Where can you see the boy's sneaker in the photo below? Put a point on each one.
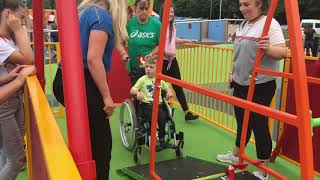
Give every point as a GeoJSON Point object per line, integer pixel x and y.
{"type": "Point", "coordinates": [161, 145]}
{"type": "Point", "coordinates": [190, 116]}
{"type": "Point", "coordinates": [228, 158]}
{"type": "Point", "coordinates": [259, 175]}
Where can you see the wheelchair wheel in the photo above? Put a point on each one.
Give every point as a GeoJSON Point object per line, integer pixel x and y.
{"type": "Point", "coordinates": [128, 125]}
{"type": "Point", "coordinates": [179, 149]}
{"type": "Point", "coordinates": [137, 155]}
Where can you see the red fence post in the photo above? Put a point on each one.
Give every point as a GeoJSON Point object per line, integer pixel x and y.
{"type": "Point", "coordinates": [37, 6]}
{"type": "Point", "coordinates": [74, 89]}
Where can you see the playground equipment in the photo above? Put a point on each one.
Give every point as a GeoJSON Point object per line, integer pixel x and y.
{"type": "Point", "coordinates": [70, 49]}
{"type": "Point", "coordinates": [299, 75]}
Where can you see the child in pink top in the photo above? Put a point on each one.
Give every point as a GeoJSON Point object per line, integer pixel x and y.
{"type": "Point", "coordinates": [171, 66]}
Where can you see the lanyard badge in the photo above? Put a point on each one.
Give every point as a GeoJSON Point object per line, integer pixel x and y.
{"type": "Point", "coordinates": [142, 59]}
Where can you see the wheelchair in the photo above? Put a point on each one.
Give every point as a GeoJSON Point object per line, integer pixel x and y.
{"type": "Point", "coordinates": [135, 131]}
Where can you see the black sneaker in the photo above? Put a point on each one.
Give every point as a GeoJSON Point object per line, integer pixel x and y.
{"type": "Point", "coordinates": [190, 116]}
{"type": "Point", "coordinates": [161, 146]}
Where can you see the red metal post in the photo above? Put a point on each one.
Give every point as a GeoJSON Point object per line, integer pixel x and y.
{"type": "Point", "coordinates": [165, 21]}
{"type": "Point", "coordinates": [74, 90]}
{"type": "Point", "coordinates": [37, 7]}
{"type": "Point", "coordinates": [301, 90]}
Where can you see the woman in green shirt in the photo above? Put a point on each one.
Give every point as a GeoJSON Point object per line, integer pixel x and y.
{"type": "Point", "coordinates": [144, 36]}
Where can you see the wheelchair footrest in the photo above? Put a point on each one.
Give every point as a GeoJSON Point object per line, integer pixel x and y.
{"type": "Point", "coordinates": [180, 136]}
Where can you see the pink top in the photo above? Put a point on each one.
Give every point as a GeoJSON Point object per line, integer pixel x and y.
{"type": "Point", "coordinates": [171, 45]}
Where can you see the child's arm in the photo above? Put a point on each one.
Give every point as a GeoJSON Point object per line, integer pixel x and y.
{"type": "Point", "coordinates": [7, 90]}
{"type": "Point", "coordinates": [165, 87]}
{"type": "Point", "coordinates": [135, 90]}
{"type": "Point", "coordinates": [25, 54]}
{"type": "Point", "coordinates": [11, 76]}
{"type": "Point", "coordinates": [137, 93]}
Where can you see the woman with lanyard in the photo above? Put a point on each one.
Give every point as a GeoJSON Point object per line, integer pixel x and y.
{"type": "Point", "coordinates": [144, 36]}
{"type": "Point", "coordinates": [102, 26]}
{"type": "Point", "coordinates": [171, 66]}
{"type": "Point", "coordinates": [248, 40]}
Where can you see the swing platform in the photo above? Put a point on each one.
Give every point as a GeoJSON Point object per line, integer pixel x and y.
{"type": "Point", "coordinates": [187, 168]}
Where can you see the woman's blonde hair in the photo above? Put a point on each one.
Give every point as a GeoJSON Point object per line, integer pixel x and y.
{"type": "Point", "coordinates": [117, 10]}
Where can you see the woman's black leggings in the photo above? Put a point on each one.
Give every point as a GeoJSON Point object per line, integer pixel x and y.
{"type": "Point", "coordinates": [263, 95]}
{"type": "Point", "coordinates": [174, 72]}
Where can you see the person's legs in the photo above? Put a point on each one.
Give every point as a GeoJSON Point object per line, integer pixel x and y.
{"type": "Point", "coordinates": [12, 142]}
{"type": "Point", "coordinates": [174, 72]}
{"type": "Point", "coordinates": [162, 121]}
{"type": "Point", "coordinates": [100, 133]}
{"type": "Point", "coordinates": [58, 86]}
{"type": "Point", "coordinates": [233, 156]}
{"type": "Point", "coordinates": [259, 123]}
{"type": "Point", "coordinates": [308, 46]}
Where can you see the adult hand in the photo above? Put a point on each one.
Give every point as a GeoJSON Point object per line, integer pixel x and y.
{"type": "Point", "coordinates": [169, 55]}
{"type": "Point", "coordinates": [28, 71]}
{"type": "Point", "coordinates": [140, 96]}
{"type": "Point", "coordinates": [108, 106]}
{"type": "Point", "coordinates": [169, 94]}
{"type": "Point", "coordinates": [14, 23]}
{"type": "Point", "coordinates": [264, 43]}
{"type": "Point", "coordinates": [125, 57]}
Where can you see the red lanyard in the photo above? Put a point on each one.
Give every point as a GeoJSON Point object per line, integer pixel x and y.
{"type": "Point", "coordinates": [3, 37]}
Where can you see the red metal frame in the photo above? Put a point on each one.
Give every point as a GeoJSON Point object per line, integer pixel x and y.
{"type": "Point", "coordinates": [74, 89]}
{"type": "Point", "coordinates": [37, 6]}
{"type": "Point", "coordinates": [301, 121]}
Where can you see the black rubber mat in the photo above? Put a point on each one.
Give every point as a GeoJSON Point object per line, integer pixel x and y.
{"type": "Point", "coordinates": [183, 168]}
{"type": "Point", "coordinates": [240, 176]}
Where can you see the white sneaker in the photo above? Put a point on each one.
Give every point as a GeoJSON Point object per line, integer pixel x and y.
{"type": "Point", "coordinates": [228, 158]}
{"type": "Point", "coordinates": [259, 175]}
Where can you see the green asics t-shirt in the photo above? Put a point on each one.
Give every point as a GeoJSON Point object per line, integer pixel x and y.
{"type": "Point", "coordinates": [143, 38]}
{"type": "Point", "coordinates": [145, 85]}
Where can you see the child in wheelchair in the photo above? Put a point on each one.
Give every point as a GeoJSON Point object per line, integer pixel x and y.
{"type": "Point", "coordinates": [144, 92]}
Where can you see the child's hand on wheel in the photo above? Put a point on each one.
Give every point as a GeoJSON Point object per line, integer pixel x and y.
{"type": "Point", "coordinates": [140, 96]}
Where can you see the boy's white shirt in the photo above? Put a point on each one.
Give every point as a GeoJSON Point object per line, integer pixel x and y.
{"type": "Point", "coordinates": [7, 47]}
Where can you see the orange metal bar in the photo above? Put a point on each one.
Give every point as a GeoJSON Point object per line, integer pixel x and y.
{"type": "Point", "coordinates": [286, 75]}
{"type": "Point", "coordinates": [165, 21]}
{"type": "Point", "coordinates": [224, 61]}
{"type": "Point", "coordinates": [245, 124]}
{"type": "Point", "coordinates": [254, 107]}
{"type": "Point", "coordinates": [202, 62]}
{"type": "Point", "coordinates": [198, 79]}
{"type": "Point", "coordinates": [301, 89]}
{"type": "Point", "coordinates": [263, 167]}
{"type": "Point", "coordinates": [193, 77]}
{"type": "Point", "coordinates": [283, 103]}
{"type": "Point", "coordinates": [220, 59]}
{"type": "Point", "coordinates": [215, 59]}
